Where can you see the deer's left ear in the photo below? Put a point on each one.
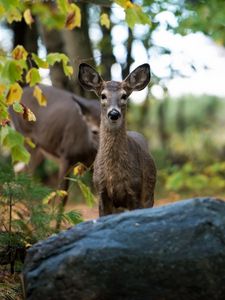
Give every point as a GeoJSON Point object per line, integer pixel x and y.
{"type": "Point", "coordinates": [139, 78]}
{"type": "Point", "coordinates": [89, 78]}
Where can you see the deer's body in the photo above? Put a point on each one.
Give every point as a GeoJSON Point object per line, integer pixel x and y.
{"type": "Point", "coordinates": [61, 130]}
{"type": "Point", "coordinates": [124, 171]}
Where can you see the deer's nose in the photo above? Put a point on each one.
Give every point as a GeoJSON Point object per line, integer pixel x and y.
{"type": "Point", "coordinates": [114, 114]}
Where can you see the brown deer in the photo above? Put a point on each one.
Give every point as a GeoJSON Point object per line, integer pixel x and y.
{"type": "Point", "coordinates": [66, 130]}
{"type": "Point", "coordinates": [124, 171]}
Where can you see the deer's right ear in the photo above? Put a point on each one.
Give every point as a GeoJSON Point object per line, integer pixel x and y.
{"type": "Point", "coordinates": [89, 78]}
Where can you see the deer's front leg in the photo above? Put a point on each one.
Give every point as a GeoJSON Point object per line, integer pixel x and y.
{"type": "Point", "coordinates": [105, 204]}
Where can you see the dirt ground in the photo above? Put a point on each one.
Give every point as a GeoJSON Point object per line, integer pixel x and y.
{"type": "Point", "coordinates": [90, 213]}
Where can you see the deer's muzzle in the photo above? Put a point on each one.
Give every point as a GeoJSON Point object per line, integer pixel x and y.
{"type": "Point", "coordinates": [114, 114]}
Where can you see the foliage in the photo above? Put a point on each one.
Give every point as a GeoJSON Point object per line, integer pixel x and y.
{"type": "Point", "coordinates": [15, 67]}
{"type": "Point", "coordinates": [193, 180]}
{"type": "Point", "coordinates": [29, 208]}
{"type": "Point", "coordinates": [191, 162]}
{"type": "Point", "coordinates": [12, 69]}
{"type": "Point", "coordinates": [206, 16]}
{"type": "Point", "coordinates": [134, 13]}
{"type": "Point", "coordinates": [59, 14]}
{"type": "Point", "coordinates": [79, 177]}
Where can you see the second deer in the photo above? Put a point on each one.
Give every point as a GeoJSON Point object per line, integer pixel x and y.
{"type": "Point", "coordinates": [124, 171]}
{"type": "Point", "coordinates": [66, 130]}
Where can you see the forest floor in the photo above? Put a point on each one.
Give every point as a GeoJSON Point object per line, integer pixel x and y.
{"type": "Point", "coordinates": [89, 213]}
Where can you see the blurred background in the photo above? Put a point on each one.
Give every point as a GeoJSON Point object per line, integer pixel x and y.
{"type": "Point", "coordinates": [182, 111]}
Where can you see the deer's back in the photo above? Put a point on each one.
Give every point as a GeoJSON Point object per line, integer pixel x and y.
{"type": "Point", "coordinates": [59, 127]}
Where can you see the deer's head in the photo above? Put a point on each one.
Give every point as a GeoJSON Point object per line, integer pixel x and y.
{"type": "Point", "coordinates": [113, 94]}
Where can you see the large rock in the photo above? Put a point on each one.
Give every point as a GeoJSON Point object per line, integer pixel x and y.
{"type": "Point", "coordinates": [172, 252]}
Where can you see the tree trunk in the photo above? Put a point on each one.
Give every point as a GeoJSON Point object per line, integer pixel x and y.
{"type": "Point", "coordinates": [126, 67]}
{"type": "Point", "coordinates": [167, 253]}
{"type": "Point", "coordinates": [78, 48]}
{"type": "Point", "coordinates": [25, 36]}
{"type": "Point", "coordinates": [106, 49]}
{"type": "Point", "coordinates": [54, 42]}
{"type": "Point", "coordinates": [28, 38]}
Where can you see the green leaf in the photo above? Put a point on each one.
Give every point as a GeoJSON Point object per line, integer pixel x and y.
{"type": "Point", "coordinates": [88, 196]}
{"type": "Point", "coordinates": [68, 70]}
{"type": "Point", "coordinates": [63, 5]}
{"type": "Point", "coordinates": [73, 217]}
{"type": "Point", "coordinates": [3, 134]}
{"type": "Point", "coordinates": [13, 15]}
{"type": "Point", "coordinates": [11, 138]}
{"type": "Point", "coordinates": [135, 15]}
{"type": "Point", "coordinates": [12, 71]}
{"type": "Point", "coordinates": [17, 107]}
{"type": "Point", "coordinates": [15, 142]}
{"type": "Point", "coordinates": [40, 62]}
{"type": "Point", "coordinates": [19, 153]}
{"type": "Point", "coordinates": [33, 77]}
{"type": "Point", "coordinates": [52, 58]}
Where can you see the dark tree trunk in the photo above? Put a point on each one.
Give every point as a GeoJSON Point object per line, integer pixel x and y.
{"type": "Point", "coordinates": [28, 38]}
{"type": "Point", "coordinates": [108, 58]}
{"type": "Point", "coordinates": [126, 67]}
{"type": "Point", "coordinates": [25, 36]}
{"type": "Point", "coordinates": [78, 48]}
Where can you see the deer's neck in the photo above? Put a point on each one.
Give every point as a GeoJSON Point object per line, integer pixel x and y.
{"type": "Point", "coordinates": [113, 143]}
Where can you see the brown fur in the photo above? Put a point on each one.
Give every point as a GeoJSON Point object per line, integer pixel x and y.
{"type": "Point", "coordinates": [124, 171]}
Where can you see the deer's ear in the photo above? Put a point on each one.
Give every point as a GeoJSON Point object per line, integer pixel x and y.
{"type": "Point", "coordinates": [139, 78]}
{"type": "Point", "coordinates": [89, 78]}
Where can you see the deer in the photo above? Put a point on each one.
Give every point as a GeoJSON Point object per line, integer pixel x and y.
{"type": "Point", "coordinates": [66, 130]}
{"type": "Point", "coordinates": [124, 171]}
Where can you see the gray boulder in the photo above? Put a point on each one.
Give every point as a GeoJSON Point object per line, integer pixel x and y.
{"type": "Point", "coordinates": [172, 252]}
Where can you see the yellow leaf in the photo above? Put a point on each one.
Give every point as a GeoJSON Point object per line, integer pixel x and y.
{"type": "Point", "coordinates": [74, 17]}
{"type": "Point", "coordinates": [53, 195]}
{"type": "Point", "coordinates": [61, 193]}
{"type": "Point", "coordinates": [50, 197]}
{"type": "Point", "coordinates": [28, 17]}
{"type": "Point", "coordinates": [29, 142]}
{"type": "Point", "coordinates": [125, 3]}
{"type": "Point", "coordinates": [28, 245]}
{"type": "Point", "coordinates": [30, 115]}
{"type": "Point", "coordinates": [14, 94]}
{"type": "Point", "coordinates": [33, 76]}
{"type": "Point", "coordinates": [2, 89]}
{"type": "Point", "coordinates": [13, 15]}
{"type": "Point", "coordinates": [128, 4]}
{"type": "Point", "coordinates": [2, 10]}
{"type": "Point", "coordinates": [39, 96]}
{"type": "Point", "coordinates": [104, 20]}
{"type": "Point", "coordinates": [79, 170]}
{"type": "Point", "coordinates": [19, 53]}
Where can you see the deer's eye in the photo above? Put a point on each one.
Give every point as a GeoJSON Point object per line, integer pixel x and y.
{"type": "Point", "coordinates": [124, 97]}
{"type": "Point", "coordinates": [103, 99]}
{"type": "Point", "coordinates": [103, 96]}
